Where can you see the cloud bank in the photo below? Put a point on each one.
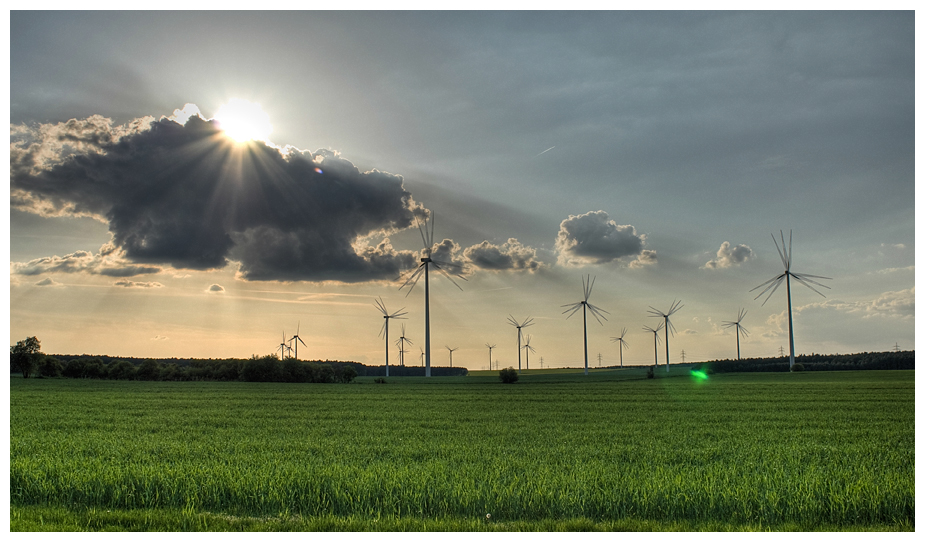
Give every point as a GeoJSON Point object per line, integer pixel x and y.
{"type": "Point", "coordinates": [185, 195]}
{"type": "Point", "coordinates": [512, 255]}
{"type": "Point", "coordinates": [593, 238]}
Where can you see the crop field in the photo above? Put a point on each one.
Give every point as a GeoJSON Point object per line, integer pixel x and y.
{"type": "Point", "coordinates": [612, 451]}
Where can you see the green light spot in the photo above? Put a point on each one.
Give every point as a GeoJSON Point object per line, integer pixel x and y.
{"type": "Point", "coordinates": [700, 375]}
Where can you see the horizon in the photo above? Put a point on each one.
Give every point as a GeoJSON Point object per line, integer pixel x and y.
{"type": "Point", "coordinates": [144, 221]}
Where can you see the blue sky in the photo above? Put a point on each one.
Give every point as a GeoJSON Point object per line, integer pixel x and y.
{"type": "Point", "coordinates": [658, 152]}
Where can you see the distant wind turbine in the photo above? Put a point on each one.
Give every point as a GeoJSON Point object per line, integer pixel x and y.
{"type": "Point", "coordinates": [527, 348]}
{"type": "Point", "coordinates": [451, 353]}
{"type": "Point", "coordinates": [401, 345]}
{"type": "Point", "coordinates": [654, 313]}
{"type": "Point", "coordinates": [490, 347]}
{"type": "Point", "coordinates": [519, 326]}
{"type": "Point", "coordinates": [587, 284]}
{"type": "Point", "coordinates": [428, 237]}
{"type": "Point", "coordinates": [655, 333]}
{"type": "Point", "coordinates": [622, 344]}
{"type": "Point", "coordinates": [295, 338]}
{"type": "Point", "coordinates": [802, 278]}
{"type": "Point", "coordinates": [739, 327]}
{"type": "Point", "coordinates": [283, 347]}
{"type": "Point", "coordinates": [385, 327]}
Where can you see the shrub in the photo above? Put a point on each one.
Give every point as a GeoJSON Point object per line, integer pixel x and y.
{"type": "Point", "coordinates": [348, 374]}
{"type": "Point", "coordinates": [379, 380]}
{"type": "Point", "coordinates": [650, 373]}
{"type": "Point", "coordinates": [797, 367]}
{"type": "Point", "coordinates": [508, 376]}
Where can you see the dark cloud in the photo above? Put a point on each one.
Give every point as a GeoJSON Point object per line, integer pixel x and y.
{"type": "Point", "coordinates": [186, 196]}
{"type": "Point", "coordinates": [593, 238]}
{"type": "Point", "coordinates": [47, 282]}
{"type": "Point", "coordinates": [133, 284]}
{"type": "Point", "coordinates": [215, 289]}
{"type": "Point", "coordinates": [510, 255]}
{"type": "Point", "coordinates": [729, 256]}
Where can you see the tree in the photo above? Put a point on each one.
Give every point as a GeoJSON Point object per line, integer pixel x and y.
{"type": "Point", "coordinates": [508, 376]}
{"type": "Point", "coordinates": [50, 367]}
{"type": "Point", "coordinates": [25, 355]}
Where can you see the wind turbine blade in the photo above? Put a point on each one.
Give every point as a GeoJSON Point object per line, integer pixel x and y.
{"type": "Point", "coordinates": [398, 315]}
{"type": "Point", "coordinates": [381, 306]}
{"type": "Point", "coordinates": [801, 277]}
{"type": "Point", "coordinates": [773, 283]}
{"type": "Point", "coordinates": [804, 283]}
{"type": "Point", "coordinates": [769, 281]}
{"type": "Point", "coordinates": [675, 307]}
{"type": "Point", "coordinates": [781, 254]}
{"type": "Point", "coordinates": [575, 308]}
{"type": "Point", "coordinates": [413, 279]}
{"type": "Point", "coordinates": [527, 322]}
{"type": "Point", "coordinates": [743, 330]}
{"type": "Point", "coordinates": [789, 250]}
{"type": "Point", "coordinates": [597, 313]}
{"type": "Point", "coordinates": [776, 286]}
{"type": "Point", "coordinates": [814, 276]}
{"type": "Point", "coordinates": [382, 329]}
{"type": "Point", "coordinates": [513, 321]}
{"type": "Point", "coordinates": [447, 275]}
{"type": "Point", "coordinates": [423, 239]}
{"type": "Point", "coordinates": [671, 327]}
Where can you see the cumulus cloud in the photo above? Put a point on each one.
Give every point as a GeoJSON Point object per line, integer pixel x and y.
{"type": "Point", "coordinates": [899, 304]}
{"type": "Point", "coordinates": [133, 284]}
{"type": "Point", "coordinates": [109, 261]}
{"type": "Point", "coordinates": [593, 238]}
{"type": "Point", "coordinates": [215, 289]}
{"type": "Point", "coordinates": [512, 255]}
{"type": "Point", "coordinates": [730, 256]}
{"type": "Point", "coordinates": [184, 195]}
{"type": "Point", "coordinates": [646, 257]}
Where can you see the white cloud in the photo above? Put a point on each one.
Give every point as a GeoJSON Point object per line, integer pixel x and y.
{"type": "Point", "coordinates": [729, 256]}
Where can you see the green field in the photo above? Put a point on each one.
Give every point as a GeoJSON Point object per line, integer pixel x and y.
{"type": "Point", "coordinates": [555, 451]}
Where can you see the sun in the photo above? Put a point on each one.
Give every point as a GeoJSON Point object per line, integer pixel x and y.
{"type": "Point", "coordinates": [243, 121]}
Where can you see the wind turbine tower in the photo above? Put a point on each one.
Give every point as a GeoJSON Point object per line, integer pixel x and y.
{"type": "Point", "coordinates": [385, 327]}
{"type": "Point", "coordinates": [426, 261]}
{"type": "Point", "coordinates": [528, 349]}
{"type": "Point", "coordinates": [654, 332]}
{"type": "Point", "coordinates": [295, 338]}
{"type": "Point", "coordinates": [739, 327]}
{"type": "Point", "coordinates": [519, 326]}
{"type": "Point", "coordinates": [774, 283]}
{"type": "Point", "coordinates": [587, 284]}
{"type": "Point", "coordinates": [490, 347]}
{"type": "Point", "coordinates": [654, 313]}
{"type": "Point", "coordinates": [401, 345]}
{"type": "Point", "coordinates": [451, 354]}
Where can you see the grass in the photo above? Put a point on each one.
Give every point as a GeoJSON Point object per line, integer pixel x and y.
{"type": "Point", "coordinates": [612, 451]}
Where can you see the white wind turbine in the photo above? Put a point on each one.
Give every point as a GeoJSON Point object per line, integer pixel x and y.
{"type": "Point", "coordinates": [519, 326]}
{"type": "Point", "coordinates": [490, 347]}
{"type": "Point", "coordinates": [739, 327]}
{"type": "Point", "coordinates": [426, 261]}
{"type": "Point", "coordinates": [527, 348]}
{"type": "Point", "coordinates": [802, 278]}
{"type": "Point", "coordinates": [622, 344]}
{"type": "Point", "coordinates": [655, 333]}
{"type": "Point", "coordinates": [451, 354]}
{"type": "Point", "coordinates": [295, 338]}
{"type": "Point", "coordinates": [654, 313]}
{"type": "Point", "coordinates": [401, 345]}
{"type": "Point", "coordinates": [385, 327]}
{"type": "Point", "coordinates": [587, 284]}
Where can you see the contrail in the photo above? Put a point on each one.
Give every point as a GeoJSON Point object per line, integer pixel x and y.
{"type": "Point", "coordinates": [547, 150]}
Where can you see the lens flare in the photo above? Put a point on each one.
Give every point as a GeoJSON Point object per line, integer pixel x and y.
{"type": "Point", "coordinates": [699, 374]}
{"type": "Point", "coordinates": [244, 121]}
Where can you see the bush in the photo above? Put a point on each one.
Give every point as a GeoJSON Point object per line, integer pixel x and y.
{"type": "Point", "coordinates": [508, 376]}
{"type": "Point", "coordinates": [379, 380]}
{"type": "Point", "coordinates": [797, 367]}
{"type": "Point", "coordinates": [348, 374]}
{"type": "Point", "coordinates": [650, 373]}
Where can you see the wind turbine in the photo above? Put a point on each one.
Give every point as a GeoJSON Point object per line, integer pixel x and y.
{"type": "Point", "coordinates": [428, 237]}
{"type": "Point", "coordinates": [385, 327]}
{"type": "Point", "coordinates": [527, 348]}
{"type": "Point", "coordinates": [490, 347]}
{"type": "Point", "coordinates": [297, 340]}
{"type": "Point", "coordinates": [622, 344]}
{"type": "Point", "coordinates": [451, 353]}
{"type": "Point", "coordinates": [283, 347]}
{"type": "Point", "coordinates": [655, 333]}
{"type": "Point", "coordinates": [401, 345]}
{"type": "Point", "coordinates": [802, 278]}
{"type": "Point", "coordinates": [675, 306]}
{"type": "Point", "coordinates": [587, 284]}
{"type": "Point", "coordinates": [519, 326]}
{"type": "Point", "coordinates": [739, 327]}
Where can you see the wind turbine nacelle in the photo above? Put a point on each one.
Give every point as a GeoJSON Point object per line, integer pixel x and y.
{"type": "Point", "coordinates": [426, 260]}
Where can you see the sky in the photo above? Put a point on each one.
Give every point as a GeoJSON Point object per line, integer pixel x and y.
{"type": "Point", "coordinates": [661, 154]}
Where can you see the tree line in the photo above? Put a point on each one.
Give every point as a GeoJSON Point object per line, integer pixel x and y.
{"type": "Point", "coordinates": [819, 362]}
